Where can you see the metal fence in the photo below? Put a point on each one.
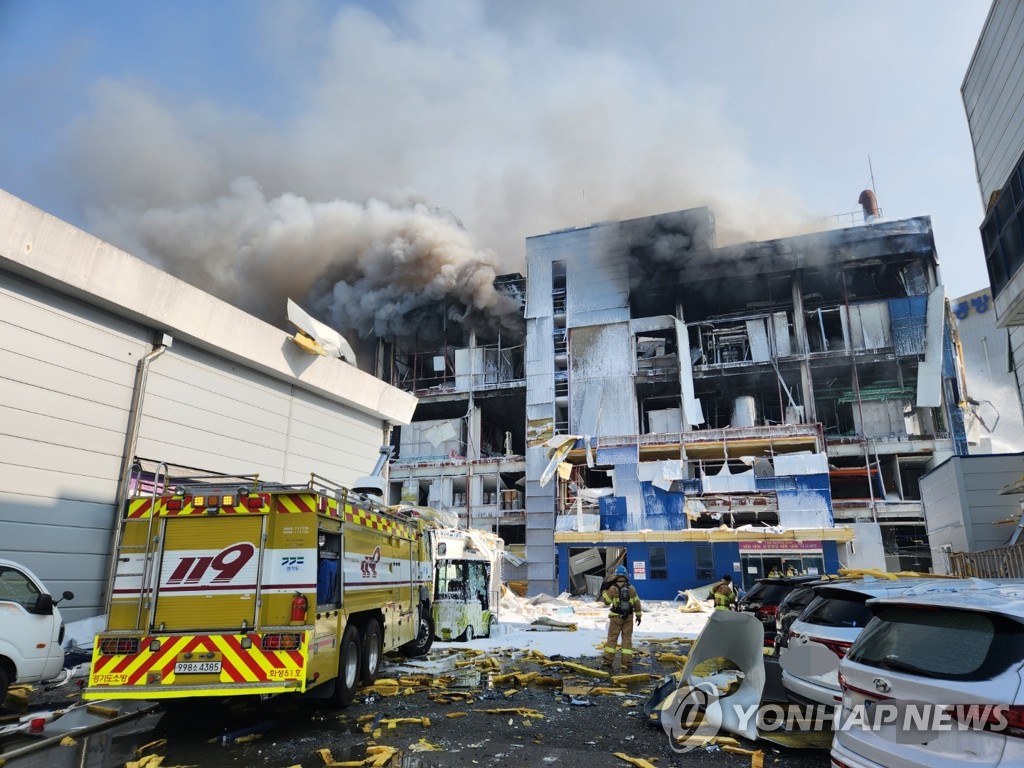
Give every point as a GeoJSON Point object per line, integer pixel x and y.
{"type": "Point", "coordinates": [1004, 562]}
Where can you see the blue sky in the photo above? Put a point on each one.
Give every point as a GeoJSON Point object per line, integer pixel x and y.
{"type": "Point", "coordinates": [130, 118]}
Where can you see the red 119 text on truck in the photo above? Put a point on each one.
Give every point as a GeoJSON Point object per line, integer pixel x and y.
{"type": "Point", "coordinates": [232, 586]}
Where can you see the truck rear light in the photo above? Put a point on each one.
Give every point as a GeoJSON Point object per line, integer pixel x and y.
{"type": "Point", "coordinates": [119, 646]}
{"type": "Point", "coordinates": [254, 502]}
{"type": "Point", "coordinates": [227, 501]}
{"type": "Point", "coordinates": [282, 642]}
{"type": "Point", "coordinates": [174, 505]}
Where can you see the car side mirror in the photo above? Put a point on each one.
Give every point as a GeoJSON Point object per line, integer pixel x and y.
{"type": "Point", "coordinates": [44, 605]}
{"type": "Point", "coordinates": [68, 595]}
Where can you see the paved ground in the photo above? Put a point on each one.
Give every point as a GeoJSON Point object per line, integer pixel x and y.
{"type": "Point", "coordinates": [548, 729]}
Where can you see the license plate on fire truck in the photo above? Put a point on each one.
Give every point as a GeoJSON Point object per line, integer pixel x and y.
{"type": "Point", "coordinates": [196, 667]}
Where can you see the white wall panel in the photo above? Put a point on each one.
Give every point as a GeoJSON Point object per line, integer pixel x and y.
{"type": "Point", "coordinates": [66, 377]}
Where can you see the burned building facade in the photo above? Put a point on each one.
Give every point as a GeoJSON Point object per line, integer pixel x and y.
{"type": "Point", "coordinates": [693, 410]}
{"type": "Point", "coordinates": [465, 449]}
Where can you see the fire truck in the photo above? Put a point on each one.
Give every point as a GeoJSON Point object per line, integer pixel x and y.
{"type": "Point", "coordinates": [232, 586]}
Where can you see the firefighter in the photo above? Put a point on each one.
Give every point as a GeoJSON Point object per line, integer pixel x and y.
{"type": "Point", "coordinates": [724, 594]}
{"type": "Point", "coordinates": [791, 571]}
{"type": "Point", "coordinates": [775, 573]}
{"type": "Point", "coordinates": [620, 596]}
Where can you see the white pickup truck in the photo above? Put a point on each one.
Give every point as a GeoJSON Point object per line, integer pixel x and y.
{"type": "Point", "coordinates": [31, 629]}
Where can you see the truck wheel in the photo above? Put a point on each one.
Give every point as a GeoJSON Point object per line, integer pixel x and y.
{"type": "Point", "coordinates": [468, 634]}
{"type": "Point", "coordinates": [490, 624]}
{"type": "Point", "coordinates": [373, 643]}
{"type": "Point", "coordinates": [348, 667]}
{"type": "Point", "coordinates": [424, 637]}
{"type": "Point", "coordinates": [4, 683]}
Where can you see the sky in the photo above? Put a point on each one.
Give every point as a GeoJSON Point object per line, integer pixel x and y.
{"type": "Point", "coordinates": [369, 157]}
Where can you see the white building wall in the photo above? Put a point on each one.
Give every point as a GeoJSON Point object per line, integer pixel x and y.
{"type": "Point", "coordinates": [231, 394]}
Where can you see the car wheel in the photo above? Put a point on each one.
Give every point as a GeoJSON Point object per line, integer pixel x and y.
{"type": "Point", "coordinates": [4, 684]}
{"type": "Point", "coordinates": [373, 644]}
{"type": "Point", "coordinates": [348, 667]}
{"type": "Point", "coordinates": [424, 637]}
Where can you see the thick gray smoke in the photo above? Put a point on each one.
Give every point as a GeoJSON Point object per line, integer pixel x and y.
{"type": "Point", "coordinates": [518, 128]}
{"type": "Point", "coordinates": [381, 269]}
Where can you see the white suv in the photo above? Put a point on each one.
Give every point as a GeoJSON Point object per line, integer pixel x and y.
{"type": "Point", "coordinates": [827, 628]}
{"type": "Point", "coordinates": [31, 630]}
{"type": "Point", "coordinates": [935, 680]}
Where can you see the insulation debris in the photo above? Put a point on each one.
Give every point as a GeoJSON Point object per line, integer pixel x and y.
{"type": "Point", "coordinates": [639, 762]}
{"type": "Point", "coordinates": [590, 671]}
{"type": "Point", "coordinates": [149, 761]}
{"type": "Point", "coordinates": [668, 658]}
{"type": "Point", "coordinates": [521, 711]}
{"type": "Point", "coordinates": [98, 709]}
{"type": "Point", "coordinates": [454, 715]}
{"type": "Point", "coordinates": [151, 745]}
{"type": "Point", "coordinates": [554, 624]}
{"type": "Point", "coordinates": [376, 756]}
{"type": "Point", "coordinates": [67, 741]}
{"type": "Point", "coordinates": [424, 746]}
{"type": "Point", "coordinates": [631, 679]}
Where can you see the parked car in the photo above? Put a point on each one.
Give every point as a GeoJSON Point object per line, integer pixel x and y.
{"type": "Point", "coordinates": [833, 620]}
{"type": "Point", "coordinates": [794, 604]}
{"type": "Point", "coordinates": [764, 597]}
{"type": "Point", "coordinates": [31, 629]}
{"type": "Point", "coordinates": [960, 647]}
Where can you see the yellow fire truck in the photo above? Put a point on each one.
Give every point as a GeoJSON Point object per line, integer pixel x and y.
{"type": "Point", "coordinates": [232, 586]}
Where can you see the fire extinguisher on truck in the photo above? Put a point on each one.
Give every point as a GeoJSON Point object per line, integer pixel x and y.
{"type": "Point", "coordinates": [230, 586]}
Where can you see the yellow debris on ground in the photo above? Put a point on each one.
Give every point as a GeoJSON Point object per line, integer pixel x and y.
{"type": "Point", "coordinates": [67, 741]}
{"type": "Point", "coordinates": [629, 703]}
{"type": "Point", "coordinates": [149, 761]}
{"type": "Point", "coordinates": [757, 759]}
{"type": "Point", "coordinates": [393, 722]}
{"type": "Point", "coordinates": [453, 715]}
{"type": "Point", "coordinates": [424, 746]}
{"type": "Point", "coordinates": [628, 679]}
{"type": "Point", "coordinates": [668, 658]}
{"type": "Point", "coordinates": [737, 750]}
{"type": "Point", "coordinates": [599, 690]}
{"type": "Point", "coordinates": [151, 745]}
{"type": "Point", "coordinates": [639, 762]}
{"type": "Point", "coordinates": [248, 738]}
{"type": "Point", "coordinates": [511, 692]}
{"type": "Point", "coordinates": [521, 711]}
{"type": "Point", "coordinates": [97, 709]}
{"type": "Point", "coordinates": [578, 668]}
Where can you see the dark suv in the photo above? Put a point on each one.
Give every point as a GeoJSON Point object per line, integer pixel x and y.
{"type": "Point", "coordinates": [764, 597]}
{"type": "Point", "coordinates": [793, 604]}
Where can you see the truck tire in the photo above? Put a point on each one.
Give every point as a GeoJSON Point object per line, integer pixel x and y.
{"type": "Point", "coordinates": [468, 634]}
{"type": "Point", "coordinates": [4, 683]}
{"type": "Point", "coordinates": [348, 667]}
{"type": "Point", "coordinates": [424, 637]}
{"type": "Point", "coordinates": [373, 644]}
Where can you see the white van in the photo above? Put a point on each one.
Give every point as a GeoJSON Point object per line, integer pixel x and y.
{"type": "Point", "coordinates": [31, 630]}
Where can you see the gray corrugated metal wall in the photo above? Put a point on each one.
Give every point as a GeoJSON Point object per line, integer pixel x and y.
{"type": "Point", "coordinates": [67, 372]}
{"type": "Point", "coordinates": [992, 92]}
{"type": "Point", "coordinates": [66, 376]}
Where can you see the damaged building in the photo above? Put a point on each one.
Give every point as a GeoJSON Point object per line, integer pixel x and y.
{"type": "Point", "coordinates": [465, 450]}
{"type": "Point", "coordinates": [650, 398]}
{"type": "Point", "coordinates": [693, 410]}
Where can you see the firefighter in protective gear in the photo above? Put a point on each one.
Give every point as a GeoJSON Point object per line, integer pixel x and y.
{"type": "Point", "coordinates": [724, 594]}
{"type": "Point", "coordinates": [621, 598]}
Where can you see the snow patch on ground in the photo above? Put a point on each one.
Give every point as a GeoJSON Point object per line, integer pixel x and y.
{"type": "Point", "coordinates": [515, 630]}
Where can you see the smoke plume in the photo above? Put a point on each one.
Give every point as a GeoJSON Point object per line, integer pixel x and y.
{"type": "Point", "coordinates": [518, 128]}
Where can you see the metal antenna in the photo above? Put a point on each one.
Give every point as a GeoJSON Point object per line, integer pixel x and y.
{"type": "Point", "coordinates": [584, 207]}
{"type": "Point", "coordinates": [872, 172]}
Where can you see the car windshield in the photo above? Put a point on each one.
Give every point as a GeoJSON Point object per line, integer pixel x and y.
{"type": "Point", "coordinates": [942, 643]}
{"type": "Point", "coordinates": [798, 599]}
{"type": "Point", "coordinates": [838, 610]}
{"type": "Point", "coordinates": [767, 592]}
